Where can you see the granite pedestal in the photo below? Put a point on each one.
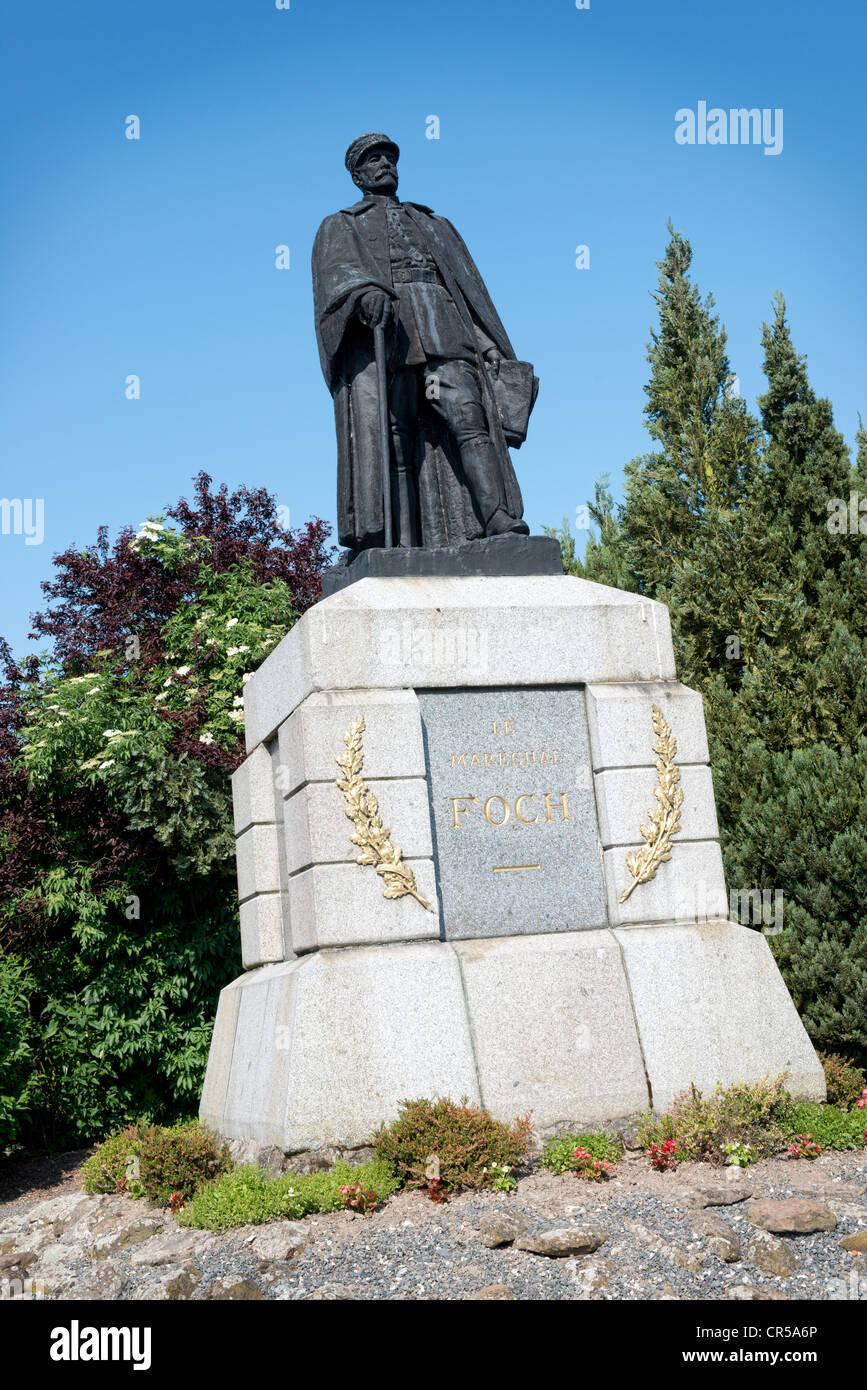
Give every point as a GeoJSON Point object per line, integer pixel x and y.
{"type": "Point", "coordinates": [508, 740]}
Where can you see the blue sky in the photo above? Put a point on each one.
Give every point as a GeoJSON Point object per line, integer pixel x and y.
{"type": "Point", "coordinates": [156, 257]}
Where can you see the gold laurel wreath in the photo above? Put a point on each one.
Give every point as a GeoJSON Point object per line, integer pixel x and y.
{"type": "Point", "coordinates": [664, 818]}
{"type": "Point", "coordinates": [371, 835]}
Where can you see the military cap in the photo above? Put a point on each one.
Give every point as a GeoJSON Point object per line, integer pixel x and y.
{"type": "Point", "coordinates": [364, 144]}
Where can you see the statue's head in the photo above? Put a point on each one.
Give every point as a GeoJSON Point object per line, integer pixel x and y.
{"type": "Point", "coordinates": [372, 162]}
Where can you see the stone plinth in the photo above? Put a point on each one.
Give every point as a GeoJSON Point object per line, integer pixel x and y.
{"type": "Point", "coordinates": [508, 743]}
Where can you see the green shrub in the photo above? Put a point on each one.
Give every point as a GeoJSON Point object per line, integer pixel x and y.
{"type": "Point", "coordinates": [756, 1113]}
{"type": "Point", "coordinates": [105, 1169]}
{"type": "Point", "coordinates": [830, 1127]}
{"type": "Point", "coordinates": [17, 1081]}
{"type": "Point", "coordinates": [559, 1155]}
{"type": "Point", "coordinates": [845, 1081]}
{"type": "Point", "coordinates": [179, 1159]}
{"type": "Point", "coordinates": [246, 1196]}
{"type": "Point", "coordinates": [466, 1141]}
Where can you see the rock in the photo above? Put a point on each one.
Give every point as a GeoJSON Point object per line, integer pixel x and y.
{"type": "Point", "coordinates": [62, 1212]}
{"type": "Point", "coordinates": [104, 1245]}
{"type": "Point", "coordinates": [746, 1293]}
{"type": "Point", "coordinates": [275, 1272]}
{"type": "Point", "coordinates": [682, 1258]}
{"type": "Point", "coordinates": [233, 1286]}
{"type": "Point", "coordinates": [17, 1259]}
{"type": "Point", "coordinates": [502, 1227]}
{"type": "Point", "coordinates": [24, 1239]}
{"type": "Point", "coordinates": [857, 1244]}
{"type": "Point", "coordinates": [795, 1216]}
{"type": "Point", "coordinates": [723, 1196]}
{"type": "Point", "coordinates": [771, 1255]}
{"type": "Point", "coordinates": [171, 1247]}
{"type": "Point", "coordinates": [492, 1291]}
{"type": "Point", "coordinates": [588, 1275]}
{"type": "Point", "coordinates": [332, 1292]}
{"type": "Point", "coordinates": [103, 1283]}
{"type": "Point", "coordinates": [721, 1239]}
{"type": "Point", "coordinates": [282, 1241]}
{"type": "Point", "coordinates": [54, 1255]}
{"type": "Point", "coordinates": [170, 1283]}
{"type": "Point", "coordinates": [564, 1240]}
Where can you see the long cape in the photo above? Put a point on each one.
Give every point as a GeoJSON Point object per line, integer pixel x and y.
{"type": "Point", "coordinates": [350, 256]}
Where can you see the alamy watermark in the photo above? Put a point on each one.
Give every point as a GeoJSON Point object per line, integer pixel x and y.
{"type": "Point", "coordinates": [23, 516]}
{"type": "Point", "coordinates": [735, 126]}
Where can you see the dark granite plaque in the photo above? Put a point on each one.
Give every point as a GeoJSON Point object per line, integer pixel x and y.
{"type": "Point", "coordinates": [516, 836]}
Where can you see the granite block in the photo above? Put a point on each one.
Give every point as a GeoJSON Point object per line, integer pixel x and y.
{"type": "Point", "coordinates": [317, 829]}
{"type": "Point", "coordinates": [553, 1029]}
{"type": "Point", "coordinates": [711, 1006]}
{"type": "Point", "coordinates": [253, 791]}
{"type": "Point", "coordinates": [625, 795]}
{"type": "Point", "coordinates": [257, 853]}
{"type": "Point", "coordinates": [621, 729]}
{"type": "Point", "coordinates": [312, 738]}
{"type": "Point", "coordinates": [263, 939]}
{"type": "Point", "coordinates": [343, 905]}
{"type": "Point", "coordinates": [689, 887]}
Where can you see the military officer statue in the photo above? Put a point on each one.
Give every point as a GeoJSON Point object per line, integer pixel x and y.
{"type": "Point", "coordinates": [454, 396]}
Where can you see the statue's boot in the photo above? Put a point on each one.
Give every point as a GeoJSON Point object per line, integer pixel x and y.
{"type": "Point", "coordinates": [484, 475]}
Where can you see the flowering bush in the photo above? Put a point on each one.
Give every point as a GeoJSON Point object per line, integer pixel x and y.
{"type": "Point", "coordinates": [739, 1155]}
{"type": "Point", "coordinates": [803, 1146]}
{"type": "Point", "coordinates": [500, 1175]}
{"type": "Point", "coordinates": [752, 1114]}
{"type": "Point", "coordinates": [469, 1144]}
{"type": "Point", "coordinates": [117, 874]}
{"type": "Point", "coordinates": [663, 1156]}
{"type": "Point", "coordinates": [559, 1156]}
{"type": "Point", "coordinates": [844, 1081]}
{"type": "Point", "coordinates": [591, 1169]}
{"type": "Point", "coordinates": [860, 1104]}
{"type": "Point", "coordinates": [246, 1196]}
{"type": "Point", "coordinates": [356, 1199]}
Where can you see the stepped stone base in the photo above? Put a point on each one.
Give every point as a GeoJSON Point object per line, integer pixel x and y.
{"type": "Point", "coordinates": [585, 1028]}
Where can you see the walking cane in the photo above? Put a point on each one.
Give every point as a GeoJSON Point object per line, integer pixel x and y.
{"type": "Point", "coordinates": [384, 431]}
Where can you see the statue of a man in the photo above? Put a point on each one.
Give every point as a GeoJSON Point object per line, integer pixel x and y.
{"type": "Point", "coordinates": [399, 265]}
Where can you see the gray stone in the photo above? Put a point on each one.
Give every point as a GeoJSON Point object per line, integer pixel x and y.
{"type": "Point", "coordinates": [311, 739]}
{"type": "Point", "coordinates": [721, 1239]}
{"type": "Point", "coordinates": [735, 1018]}
{"type": "Point", "coordinates": [130, 1234]}
{"type": "Point", "coordinates": [491, 1293]}
{"type": "Point", "coordinates": [494, 556]}
{"type": "Point", "coordinates": [590, 1276]}
{"type": "Point", "coordinates": [856, 1245]}
{"type": "Point", "coordinates": [233, 1287]}
{"type": "Point", "coordinates": [282, 1241]}
{"type": "Point", "coordinates": [502, 1227]}
{"type": "Point", "coordinates": [724, 1196]}
{"type": "Point", "coordinates": [220, 1057]}
{"type": "Point", "coordinates": [102, 1284]}
{"type": "Point", "coordinates": [690, 887]}
{"type": "Point", "coordinates": [770, 1255]}
{"type": "Point", "coordinates": [383, 1023]}
{"type": "Point", "coordinates": [422, 633]}
{"type": "Point", "coordinates": [254, 796]}
{"type": "Point", "coordinates": [344, 905]}
{"type": "Point", "coordinates": [257, 854]}
{"type": "Point", "coordinates": [170, 1283]}
{"type": "Point", "coordinates": [752, 1293]}
{"type": "Point", "coordinates": [562, 1241]}
{"type": "Point", "coordinates": [553, 1028]}
{"type": "Point", "coordinates": [621, 729]}
{"type": "Point", "coordinates": [333, 1293]}
{"type": "Point", "coordinates": [517, 839]}
{"type": "Point", "coordinates": [265, 936]}
{"type": "Point", "coordinates": [318, 830]}
{"type": "Point", "coordinates": [171, 1247]}
{"type": "Point", "coordinates": [793, 1216]}
{"type": "Point", "coordinates": [625, 795]}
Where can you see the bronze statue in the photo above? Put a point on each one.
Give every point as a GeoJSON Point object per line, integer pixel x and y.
{"type": "Point", "coordinates": [428, 394]}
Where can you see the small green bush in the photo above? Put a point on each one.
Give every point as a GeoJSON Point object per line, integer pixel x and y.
{"type": "Point", "coordinates": [844, 1080]}
{"type": "Point", "coordinates": [831, 1128]}
{"type": "Point", "coordinates": [176, 1159]}
{"type": "Point", "coordinates": [247, 1197]}
{"type": "Point", "coordinates": [179, 1159]}
{"type": "Point", "coordinates": [105, 1169]}
{"type": "Point", "coordinates": [559, 1155]}
{"type": "Point", "coordinates": [466, 1140]}
{"type": "Point", "coordinates": [756, 1113]}
{"type": "Point", "coordinates": [18, 1083]}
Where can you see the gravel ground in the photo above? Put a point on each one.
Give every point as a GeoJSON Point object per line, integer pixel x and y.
{"type": "Point", "coordinates": [414, 1249]}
